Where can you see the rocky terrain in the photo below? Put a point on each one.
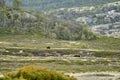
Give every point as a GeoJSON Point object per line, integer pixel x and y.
{"type": "Point", "coordinates": [96, 75]}
{"type": "Point", "coordinates": [111, 30]}
{"type": "Point", "coordinates": [104, 19]}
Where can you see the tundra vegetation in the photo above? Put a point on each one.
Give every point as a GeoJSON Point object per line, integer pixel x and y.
{"type": "Point", "coordinates": [57, 42]}
{"type": "Point", "coordinates": [35, 73]}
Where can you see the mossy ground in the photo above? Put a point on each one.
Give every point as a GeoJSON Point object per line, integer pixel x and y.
{"type": "Point", "coordinates": [105, 53]}
{"type": "Point", "coordinates": [38, 42]}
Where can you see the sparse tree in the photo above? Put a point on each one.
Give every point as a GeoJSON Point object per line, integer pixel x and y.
{"type": "Point", "coordinates": [17, 4]}
{"type": "Point", "coordinates": [2, 3]}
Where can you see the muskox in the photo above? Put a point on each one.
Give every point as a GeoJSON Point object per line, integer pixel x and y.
{"type": "Point", "coordinates": [48, 47]}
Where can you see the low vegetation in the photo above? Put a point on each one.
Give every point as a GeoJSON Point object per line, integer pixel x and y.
{"type": "Point", "coordinates": [35, 73]}
{"type": "Point", "coordinates": [71, 56]}
{"type": "Point", "coordinates": [118, 79]}
{"type": "Point", "coordinates": [36, 42]}
{"type": "Point", "coordinates": [66, 63]}
{"type": "Point", "coordinates": [37, 38]}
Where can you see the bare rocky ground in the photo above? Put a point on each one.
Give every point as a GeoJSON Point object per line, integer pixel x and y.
{"type": "Point", "coordinates": [1, 75]}
{"type": "Point", "coordinates": [96, 75]}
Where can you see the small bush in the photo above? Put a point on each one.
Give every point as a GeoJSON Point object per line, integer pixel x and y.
{"type": "Point", "coordinates": [35, 73]}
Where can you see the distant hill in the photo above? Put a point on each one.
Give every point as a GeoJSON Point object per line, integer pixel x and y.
{"type": "Point", "coordinates": [67, 19]}
{"type": "Point", "coordinates": [20, 22]}
{"type": "Point", "coordinates": [56, 4]}
{"type": "Point", "coordinates": [105, 19]}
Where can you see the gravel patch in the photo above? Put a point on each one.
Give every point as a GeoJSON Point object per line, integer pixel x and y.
{"type": "Point", "coordinates": [95, 75]}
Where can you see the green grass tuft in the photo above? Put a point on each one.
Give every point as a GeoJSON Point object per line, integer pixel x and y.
{"type": "Point", "coordinates": [35, 73]}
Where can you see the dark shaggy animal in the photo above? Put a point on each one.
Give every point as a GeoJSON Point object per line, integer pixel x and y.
{"type": "Point", "coordinates": [48, 47]}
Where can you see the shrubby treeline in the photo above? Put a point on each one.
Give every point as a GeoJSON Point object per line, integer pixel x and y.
{"type": "Point", "coordinates": [17, 21]}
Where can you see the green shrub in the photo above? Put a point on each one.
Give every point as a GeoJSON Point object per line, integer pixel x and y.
{"type": "Point", "coordinates": [36, 73]}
